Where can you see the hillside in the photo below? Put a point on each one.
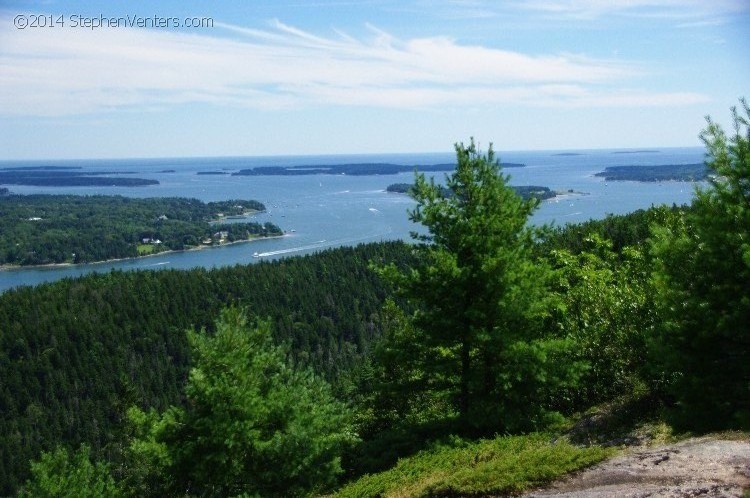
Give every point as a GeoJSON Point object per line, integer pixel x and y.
{"type": "Point", "coordinates": [75, 354]}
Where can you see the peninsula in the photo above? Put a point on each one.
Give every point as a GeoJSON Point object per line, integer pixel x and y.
{"type": "Point", "coordinates": [56, 229]}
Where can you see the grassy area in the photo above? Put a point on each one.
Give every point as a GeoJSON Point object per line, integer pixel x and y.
{"type": "Point", "coordinates": [144, 249]}
{"type": "Point", "coordinates": [494, 466]}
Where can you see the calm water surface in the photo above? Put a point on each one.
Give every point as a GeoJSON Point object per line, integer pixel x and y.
{"type": "Point", "coordinates": [322, 211]}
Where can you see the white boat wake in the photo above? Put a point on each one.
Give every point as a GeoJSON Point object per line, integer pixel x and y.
{"type": "Point", "coordinates": [315, 245]}
{"type": "Point", "coordinates": [322, 243]}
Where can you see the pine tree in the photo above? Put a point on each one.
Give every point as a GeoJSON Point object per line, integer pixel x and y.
{"type": "Point", "coordinates": [480, 296]}
{"type": "Point", "coordinates": [58, 474]}
{"type": "Point", "coordinates": [703, 278]}
{"type": "Point", "coordinates": [253, 423]}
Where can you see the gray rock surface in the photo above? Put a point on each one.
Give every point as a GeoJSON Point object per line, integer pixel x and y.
{"type": "Point", "coordinates": [704, 467]}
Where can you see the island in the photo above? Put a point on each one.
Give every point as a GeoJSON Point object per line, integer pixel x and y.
{"type": "Point", "coordinates": [357, 169]}
{"type": "Point", "coordinates": [525, 191]}
{"type": "Point", "coordinates": [56, 229]}
{"type": "Point", "coordinates": [68, 176]}
{"type": "Point", "coordinates": [666, 172]}
{"type": "Point", "coordinates": [212, 173]}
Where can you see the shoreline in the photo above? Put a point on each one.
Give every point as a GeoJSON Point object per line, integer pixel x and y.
{"type": "Point", "coordinates": [7, 267]}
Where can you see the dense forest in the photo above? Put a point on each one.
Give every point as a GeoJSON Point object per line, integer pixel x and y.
{"type": "Point", "coordinates": [44, 229]}
{"type": "Point", "coordinates": [360, 369]}
{"type": "Point", "coordinates": [75, 354]}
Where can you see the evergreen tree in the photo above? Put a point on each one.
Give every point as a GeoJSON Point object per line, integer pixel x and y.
{"type": "Point", "coordinates": [703, 279]}
{"type": "Point", "coordinates": [480, 296]}
{"type": "Point", "coordinates": [253, 424]}
{"type": "Point", "coordinates": [57, 474]}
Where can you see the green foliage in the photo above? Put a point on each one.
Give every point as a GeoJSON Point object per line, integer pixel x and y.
{"type": "Point", "coordinates": [404, 391]}
{"type": "Point", "coordinates": [606, 307]}
{"type": "Point", "coordinates": [481, 298]}
{"type": "Point", "coordinates": [703, 280]}
{"type": "Point", "coordinates": [479, 345]}
{"type": "Point", "coordinates": [626, 230]}
{"type": "Point", "coordinates": [57, 474]}
{"type": "Point", "coordinates": [75, 354]}
{"type": "Point", "coordinates": [253, 423]}
{"type": "Point", "coordinates": [43, 229]}
{"type": "Point", "coordinates": [525, 191]}
{"type": "Point", "coordinates": [486, 468]}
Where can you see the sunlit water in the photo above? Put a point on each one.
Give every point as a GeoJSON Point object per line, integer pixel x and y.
{"type": "Point", "coordinates": [322, 211]}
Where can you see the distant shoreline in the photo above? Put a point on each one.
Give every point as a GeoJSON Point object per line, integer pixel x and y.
{"type": "Point", "coordinates": [353, 169]}
{"type": "Point", "coordinates": [693, 172]}
{"type": "Point", "coordinates": [7, 267]}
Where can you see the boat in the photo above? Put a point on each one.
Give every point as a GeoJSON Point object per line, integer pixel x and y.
{"type": "Point", "coordinates": [256, 254]}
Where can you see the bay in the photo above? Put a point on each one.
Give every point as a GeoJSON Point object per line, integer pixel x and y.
{"type": "Point", "coordinates": [323, 211]}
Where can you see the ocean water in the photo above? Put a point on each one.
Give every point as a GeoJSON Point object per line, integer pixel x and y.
{"type": "Point", "coordinates": [323, 211]}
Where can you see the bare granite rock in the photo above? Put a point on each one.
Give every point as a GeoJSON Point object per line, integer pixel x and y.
{"type": "Point", "coordinates": [704, 467]}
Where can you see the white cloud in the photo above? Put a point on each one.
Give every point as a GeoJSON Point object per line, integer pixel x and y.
{"type": "Point", "coordinates": [59, 72]}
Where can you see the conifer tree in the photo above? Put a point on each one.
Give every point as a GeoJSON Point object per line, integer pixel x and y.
{"type": "Point", "coordinates": [59, 474]}
{"type": "Point", "coordinates": [480, 296]}
{"type": "Point", "coordinates": [703, 279]}
{"type": "Point", "coordinates": [253, 423]}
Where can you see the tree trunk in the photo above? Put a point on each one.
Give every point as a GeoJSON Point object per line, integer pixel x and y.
{"type": "Point", "coordinates": [465, 371]}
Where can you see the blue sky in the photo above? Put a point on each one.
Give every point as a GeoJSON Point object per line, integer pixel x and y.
{"type": "Point", "coordinates": [337, 76]}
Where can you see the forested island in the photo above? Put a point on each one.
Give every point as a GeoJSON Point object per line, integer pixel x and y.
{"type": "Point", "coordinates": [68, 176]}
{"type": "Point", "coordinates": [525, 191]}
{"type": "Point", "coordinates": [487, 358]}
{"type": "Point", "coordinates": [661, 173]}
{"type": "Point", "coordinates": [54, 229]}
{"type": "Point", "coordinates": [357, 169]}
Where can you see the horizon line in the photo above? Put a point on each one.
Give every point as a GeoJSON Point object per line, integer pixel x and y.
{"type": "Point", "coordinates": [644, 149]}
